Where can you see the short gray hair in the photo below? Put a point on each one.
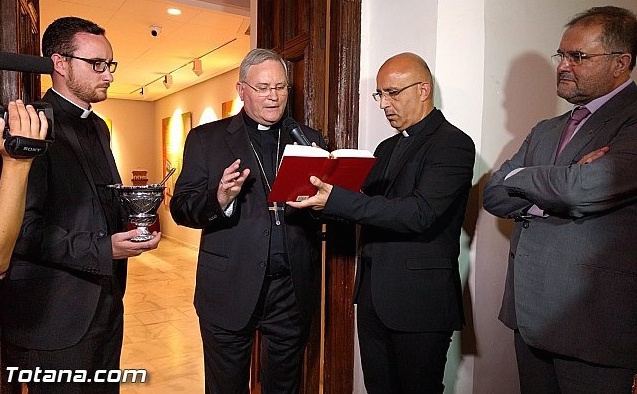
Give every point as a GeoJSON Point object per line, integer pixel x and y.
{"type": "Point", "coordinates": [619, 28]}
{"type": "Point", "coordinates": [258, 56]}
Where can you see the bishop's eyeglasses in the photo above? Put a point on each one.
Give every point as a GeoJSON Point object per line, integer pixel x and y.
{"type": "Point", "coordinates": [263, 90]}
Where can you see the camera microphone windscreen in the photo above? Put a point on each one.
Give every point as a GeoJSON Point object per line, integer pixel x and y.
{"type": "Point", "coordinates": [25, 63]}
{"type": "Point", "coordinates": [294, 129]}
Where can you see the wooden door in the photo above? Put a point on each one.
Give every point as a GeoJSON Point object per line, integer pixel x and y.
{"type": "Point", "coordinates": [19, 33]}
{"type": "Point", "coordinates": [320, 40]}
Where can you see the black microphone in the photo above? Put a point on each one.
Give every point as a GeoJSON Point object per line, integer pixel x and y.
{"type": "Point", "coordinates": [25, 63]}
{"type": "Point", "coordinates": [294, 129]}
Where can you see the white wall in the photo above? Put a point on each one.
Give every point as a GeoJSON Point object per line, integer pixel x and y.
{"type": "Point", "coordinates": [519, 91]}
{"type": "Point", "coordinates": [384, 33]}
{"type": "Point", "coordinates": [459, 95]}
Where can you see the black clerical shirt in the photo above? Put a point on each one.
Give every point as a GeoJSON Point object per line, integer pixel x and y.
{"type": "Point", "coordinates": [266, 143]}
{"type": "Point", "coordinates": [86, 132]}
{"type": "Point", "coordinates": [404, 143]}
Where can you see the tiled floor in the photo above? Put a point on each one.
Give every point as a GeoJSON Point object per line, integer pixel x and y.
{"type": "Point", "coordinates": [161, 331]}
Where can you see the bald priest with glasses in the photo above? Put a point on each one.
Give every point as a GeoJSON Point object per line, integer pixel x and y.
{"type": "Point", "coordinates": [411, 210]}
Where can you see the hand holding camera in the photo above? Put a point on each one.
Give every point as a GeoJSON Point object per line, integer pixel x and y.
{"type": "Point", "coordinates": [27, 131]}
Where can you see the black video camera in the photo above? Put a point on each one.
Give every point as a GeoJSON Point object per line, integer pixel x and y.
{"type": "Point", "coordinates": [20, 147]}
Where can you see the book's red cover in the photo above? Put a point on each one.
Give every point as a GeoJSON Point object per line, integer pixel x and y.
{"type": "Point", "coordinates": [292, 182]}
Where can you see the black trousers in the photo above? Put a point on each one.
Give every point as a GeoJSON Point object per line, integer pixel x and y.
{"type": "Point", "coordinates": [100, 348]}
{"type": "Point", "coordinates": [396, 362]}
{"type": "Point", "coordinates": [283, 337]}
{"type": "Point", "coordinates": [543, 372]}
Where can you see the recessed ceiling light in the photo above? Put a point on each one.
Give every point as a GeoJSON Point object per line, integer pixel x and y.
{"type": "Point", "coordinates": [174, 11]}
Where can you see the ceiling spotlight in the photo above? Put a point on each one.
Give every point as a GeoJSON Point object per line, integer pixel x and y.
{"type": "Point", "coordinates": [196, 67]}
{"type": "Point", "coordinates": [168, 81]}
{"type": "Point", "coordinates": [174, 11]}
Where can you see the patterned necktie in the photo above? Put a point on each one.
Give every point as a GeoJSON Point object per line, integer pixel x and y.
{"type": "Point", "coordinates": [577, 116]}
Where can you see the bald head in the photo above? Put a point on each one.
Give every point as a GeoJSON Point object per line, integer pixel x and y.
{"type": "Point", "coordinates": [407, 63]}
{"type": "Point", "coordinates": [404, 88]}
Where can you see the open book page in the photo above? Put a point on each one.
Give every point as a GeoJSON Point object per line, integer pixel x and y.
{"type": "Point", "coordinates": [351, 153]}
{"type": "Point", "coordinates": [347, 169]}
{"type": "Point", "coordinates": [313, 151]}
{"type": "Point", "coordinates": [304, 151]}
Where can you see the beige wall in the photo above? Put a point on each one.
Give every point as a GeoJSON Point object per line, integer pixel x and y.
{"type": "Point", "coordinates": [137, 134]}
{"type": "Point", "coordinates": [132, 135]}
{"type": "Point", "coordinates": [197, 100]}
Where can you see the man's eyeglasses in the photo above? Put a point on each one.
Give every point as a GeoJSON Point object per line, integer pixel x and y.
{"type": "Point", "coordinates": [391, 93]}
{"type": "Point", "coordinates": [263, 90]}
{"type": "Point", "coordinates": [99, 65]}
{"type": "Point", "coordinates": [576, 58]}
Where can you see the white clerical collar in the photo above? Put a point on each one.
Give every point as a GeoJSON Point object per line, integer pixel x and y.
{"type": "Point", "coordinates": [85, 112]}
{"type": "Point", "coordinates": [262, 127]}
{"type": "Point", "coordinates": [405, 133]}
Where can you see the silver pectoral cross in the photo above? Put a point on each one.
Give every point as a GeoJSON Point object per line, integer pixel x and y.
{"type": "Point", "coordinates": [276, 208]}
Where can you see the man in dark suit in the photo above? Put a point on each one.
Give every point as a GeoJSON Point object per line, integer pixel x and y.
{"type": "Point", "coordinates": [258, 262]}
{"type": "Point", "coordinates": [571, 289]}
{"type": "Point", "coordinates": [62, 298]}
{"type": "Point", "coordinates": [411, 210]}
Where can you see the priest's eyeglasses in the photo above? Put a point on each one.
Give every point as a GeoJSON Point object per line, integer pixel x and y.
{"type": "Point", "coordinates": [99, 65]}
{"type": "Point", "coordinates": [391, 93]}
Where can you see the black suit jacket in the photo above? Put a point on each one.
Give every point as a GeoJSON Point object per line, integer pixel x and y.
{"type": "Point", "coordinates": [64, 250]}
{"type": "Point", "coordinates": [411, 220]}
{"type": "Point", "coordinates": [233, 251]}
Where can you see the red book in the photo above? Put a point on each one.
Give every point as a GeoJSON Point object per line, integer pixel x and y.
{"type": "Point", "coordinates": [346, 168]}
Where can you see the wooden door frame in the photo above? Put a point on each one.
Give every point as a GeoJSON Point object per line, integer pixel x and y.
{"type": "Point", "coordinates": [340, 256]}
{"type": "Point", "coordinates": [19, 33]}
{"type": "Point", "coordinates": [329, 103]}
